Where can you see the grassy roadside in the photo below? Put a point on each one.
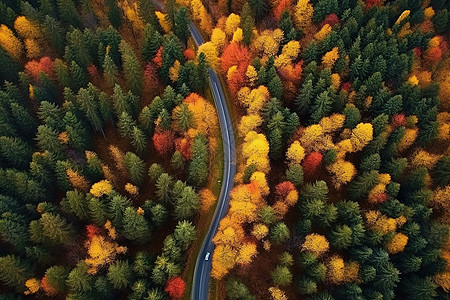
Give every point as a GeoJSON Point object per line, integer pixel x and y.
{"type": "Point", "coordinates": [204, 221]}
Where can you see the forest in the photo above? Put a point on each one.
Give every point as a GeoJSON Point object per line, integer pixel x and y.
{"type": "Point", "coordinates": [112, 149]}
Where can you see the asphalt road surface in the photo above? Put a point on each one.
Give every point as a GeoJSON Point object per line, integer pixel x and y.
{"type": "Point", "coordinates": [200, 285]}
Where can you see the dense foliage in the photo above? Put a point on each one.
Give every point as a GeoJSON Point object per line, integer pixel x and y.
{"type": "Point", "coordinates": [343, 175]}
{"type": "Point", "coordinates": [106, 141]}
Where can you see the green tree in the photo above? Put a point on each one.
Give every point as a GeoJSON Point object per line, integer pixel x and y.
{"type": "Point", "coordinates": [187, 204]}
{"type": "Point", "coordinates": [281, 276]}
{"type": "Point", "coordinates": [441, 171]}
{"type": "Point", "coordinates": [158, 214]}
{"type": "Point", "coordinates": [341, 237]}
{"type": "Point", "coordinates": [57, 276]}
{"type": "Point", "coordinates": [164, 185]}
{"type": "Point", "coordinates": [110, 70]}
{"type": "Point", "coordinates": [151, 42]}
{"type": "Point", "coordinates": [68, 12]}
{"type": "Point", "coordinates": [56, 228]}
{"type": "Point", "coordinates": [142, 264]}
{"type": "Point", "coordinates": [304, 98]}
{"type": "Point", "coordinates": [177, 161]}
{"type": "Point", "coordinates": [135, 167]}
{"type": "Point", "coordinates": [125, 102]}
{"type": "Point", "coordinates": [97, 211]}
{"type": "Point", "coordinates": [116, 209]}
{"type": "Point", "coordinates": [138, 139]}
{"type": "Point", "coordinates": [114, 14]}
{"type": "Point", "coordinates": [155, 171]}
{"type": "Point", "coordinates": [131, 67]}
{"type": "Point", "coordinates": [78, 204]}
{"type": "Point", "coordinates": [247, 24]}
{"type": "Point", "coordinates": [321, 108]}
{"type": "Point", "coordinates": [126, 125]}
{"type": "Point", "coordinates": [13, 230]}
{"type": "Point", "coordinates": [14, 272]}
{"type": "Point", "coordinates": [275, 87]}
{"type": "Point", "coordinates": [135, 227]}
{"type": "Point", "coordinates": [294, 174]}
{"type": "Point", "coordinates": [198, 168]}
{"type": "Point", "coordinates": [183, 118]}
{"type": "Point", "coordinates": [184, 234]}
{"type": "Point", "coordinates": [181, 24]}
{"type": "Point", "coordinates": [15, 151]}
{"type": "Point", "coordinates": [120, 274]}
{"type": "Point", "coordinates": [237, 290]}
{"type": "Point", "coordinates": [279, 233]}
{"type": "Point", "coordinates": [440, 21]}
{"type": "Point", "coordinates": [79, 280]}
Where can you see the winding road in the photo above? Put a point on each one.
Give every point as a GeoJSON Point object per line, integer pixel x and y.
{"type": "Point", "coordinates": [200, 285]}
{"type": "Point", "coordinates": [200, 282]}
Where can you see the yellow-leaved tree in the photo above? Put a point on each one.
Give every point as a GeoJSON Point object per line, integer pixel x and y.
{"type": "Point", "coordinates": [303, 14]}
{"type": "Point", "coordinates": [361, 136]}
{"type": "Point", "coordinates": [316, 243]}
{"type": "Point", "coordinates": [329, 58]}
{"type": "Point", "coordinates": [295, 153]}
{"type": "Point", "coordinates": [210, 51]}
{"type": "Point", "coordinates": [10, 42]}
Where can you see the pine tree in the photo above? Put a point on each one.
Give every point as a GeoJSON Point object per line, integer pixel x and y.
{"type": "Point", "coordinates": [135, 167]}
{"type": "Point", "coordinates": [138, 139]}
{"type": "Point", "coordinates": [198, 168]}
{"type": "Point", "coordinates": [181, 24]}
{"type": "Point", "coordinates": [132, 68]}
{"type": "Point", "coordinates": [126, 125]}
{"type": "Point", "coordinates": [13, 230]}
{"type": "Point", "coordinates": [14, 272]}
{"type": "Point", "coordinates": [184, 234]}
{"type": "Point", "coordinates": [120, 274]}
{"type": "Point", "coordinates": [183, 118]}
{"type": "Point", "coordinates": [304, 98]}
{"type": "Point", "coordinates": [15, 151]}
{"type": "Point", "coordinates": [114, 14]}
{"type": "Point", "coordinates": [79, 280]}
{"type": "Point", "coordinates": [78, 204]}
{"type": "Point", "coordinates": [135, 227]}
{"type": "Point", "coordinates": [321, 108]}
{"type": "Point", "coordinates": [281, 276]}
{"type": "Point", "coordinates": [177, 161]}
{"type": "Point", "coordinates": [279, 233]}
{"type": "Point", "coordinates": [56, 228]}
{"type": "Point", "coordinates": [187, 204]}
{"type": "Point", "coordinates": [110, 71]}
{"type": "Point", "coordinates": [151, 42]}
{"type": "Point", "coordinates": [247, 24]}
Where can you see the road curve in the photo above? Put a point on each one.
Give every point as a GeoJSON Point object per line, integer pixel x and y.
{"type": "Point", "coordinates": [200, 286]}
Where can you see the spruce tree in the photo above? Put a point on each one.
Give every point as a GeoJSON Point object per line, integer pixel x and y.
{"type": "Point", "coordinates": [135, 227]}
{"type": "Point", "coordinates": [135, 167]}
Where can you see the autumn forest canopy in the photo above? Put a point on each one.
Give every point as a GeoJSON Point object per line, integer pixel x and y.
{"type": "Point", "coordinates": [111, 153]}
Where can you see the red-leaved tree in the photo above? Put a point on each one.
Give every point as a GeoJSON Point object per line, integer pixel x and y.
{"type": "Point", "coordinates": [311, 164]}
{"type": "Point", "coordinates": [45, 65]}
{"type": "Point", "coordinates": [175, 287]}
{"type": "Point", "coordinates": [283, 188]}
{"type": "Point", "coordinates": [235, 54]}
{"type": "Point", "coordinates": [163, 141]}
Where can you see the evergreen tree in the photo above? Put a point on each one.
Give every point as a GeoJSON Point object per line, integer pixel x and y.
{"type": "Point", "coordinates": [181, 24]}
{"type": "Point", "coordinates": [294, 174]}
{"type": "Point", "coordinates": [13, 230]}
{"type": "Point", "coordinates": [14, 272]}
{"type": "Point", "coordinates": [120, 274]}
{"type": "Point", "coordinates": [151, 42]}
{"type": "Point", "coordinates": [187, 204]}
{"type": "Point", "coordinates": [177, 161]}
{"type": "Point", "coordinates": [110, 71]}
{"type": "Point", "coordinates": [79, 280]}
{"type": "Point", "coordinates": [135, 167]}
{"type": "Point", "coordinates": [198, 168]}
{"type": "Point", "coordinates": [247, 24]}
{"type": "Point", "coordinates": [279, 233]}
{"type": "Point", "coordinates": [183, 118]}
{"type": "Point", "coordinates": [15, 152]}
{"type": "Point", "coordinates": [135, 227]}
{"type": "Point", "coordinates": [321, 107]}
{"type": "Point", "coordinates": [114, 15]}
{"type": "Point", "coordinates": [57, 276]}
{"type": "Point", "coordinates": [304, 98]}
{"type": "Point", "coordinates": [132, 68]}
{"type": "Point", "coordinates": [281, 276]}
{"type": "Point", "coordinates": [68, 12]}
{"type": "Point", "coordinates": [155, 171]}
{"type": "Point", "coordinates": [184, 234]}
{"type": "Point", "coordinates": [441, 171]}
{"type": "Point", "coordinates": [97, 211]}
